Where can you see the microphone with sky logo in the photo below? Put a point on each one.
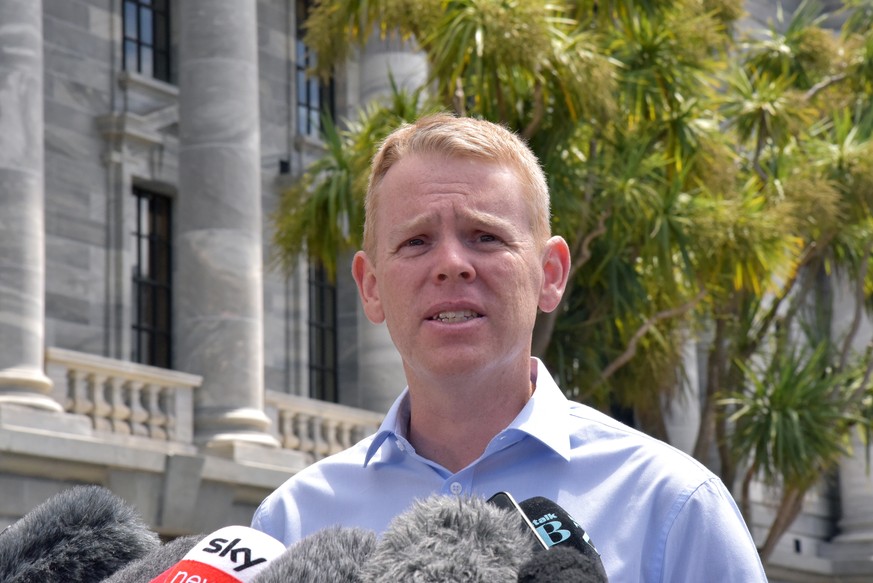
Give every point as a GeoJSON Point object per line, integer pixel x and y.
{"type": "Point", "coordinates": [233, 554]}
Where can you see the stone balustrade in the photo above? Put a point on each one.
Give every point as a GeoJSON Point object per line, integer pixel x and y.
{"type": "Point", "coordinates": [124, 398]}
{"type": "Point", "coordinates": [318, 428]}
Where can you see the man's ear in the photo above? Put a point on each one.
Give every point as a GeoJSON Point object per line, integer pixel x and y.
{"type": "Point", "coordinates": [556, 270]}
{"type": "Point", "coordinates": [365, 276]}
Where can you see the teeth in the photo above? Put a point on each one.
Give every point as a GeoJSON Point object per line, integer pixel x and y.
{"type": "Point", "coordinates": [459, 316]}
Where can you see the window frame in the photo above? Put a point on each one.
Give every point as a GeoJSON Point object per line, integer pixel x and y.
{"type": "Point", "coordinates": [147, 41]}
{"type": "Point", "coordinates": [323, 336]}
{"type": "Point", "coordinates": [313, 97]}
{"type": "Point", "coordinates": [152, 286]}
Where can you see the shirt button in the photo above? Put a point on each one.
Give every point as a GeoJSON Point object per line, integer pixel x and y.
{"type": "Point", "coordinates": [400, 446]}
{"type": "Point", "coordinates": [456, 488]}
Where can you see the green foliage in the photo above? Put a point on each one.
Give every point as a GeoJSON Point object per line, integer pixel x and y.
{"type": "Point", "coordinates": [705, 181]}
{"type": "Point", "coordinates": [793, 422]}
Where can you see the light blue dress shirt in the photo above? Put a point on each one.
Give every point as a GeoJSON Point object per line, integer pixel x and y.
{"type": "Point", "coordinates": [654, 513]}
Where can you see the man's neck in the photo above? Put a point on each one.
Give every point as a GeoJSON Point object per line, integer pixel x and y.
{"type": "Point", "coordinates": [452, 424]}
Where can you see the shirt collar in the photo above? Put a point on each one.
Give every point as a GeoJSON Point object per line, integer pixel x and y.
{"type": "Point", "coordinates": [544, 417]}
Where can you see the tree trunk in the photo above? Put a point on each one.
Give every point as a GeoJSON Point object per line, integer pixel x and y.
{"type": "Point", "coordinates": [714, 368]}
{"type": "Point", "coordinates": [745, 494]}
{"type": "Point", "coordinates": [789, 508]}
{"type": "Point", "coordinates": [734, 380]}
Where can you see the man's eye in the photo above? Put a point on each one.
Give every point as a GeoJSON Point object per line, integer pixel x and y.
{"type": "Point", "coordinates": [415, 242]}
{"type": "Point", "coordinates": [486, 238]}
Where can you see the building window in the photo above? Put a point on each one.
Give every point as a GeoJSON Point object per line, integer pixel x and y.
{"type": "Point", "coordinates": [314, 96]}
{"type": "Point", "coordinates": [147, 38]}
{"type": "Point", "coordinates": [152, 286]}
{"type": "Point", "coordinates": [322, 336]}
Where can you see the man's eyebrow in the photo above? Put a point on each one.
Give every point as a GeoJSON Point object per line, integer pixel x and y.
{"type": "Point", "coordinates": [481, 219]}
{"type": "Point", "coordinates": [414, 224]}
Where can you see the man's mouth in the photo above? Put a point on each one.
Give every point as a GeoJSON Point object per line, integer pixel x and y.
{"type": "Point", "coordinates": [454, 317]}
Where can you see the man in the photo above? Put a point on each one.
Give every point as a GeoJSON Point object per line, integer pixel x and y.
{"type": "Point", "coordinates": [457, 260]}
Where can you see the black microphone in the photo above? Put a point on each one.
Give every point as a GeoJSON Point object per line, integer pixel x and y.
{"type": "Point", "coordinates": [332, 555]}
{"type": "Point", "coordinates": [557, 528]}
{"type": "Point", "coordinates": [80, 535]}
{"type": "Point", "coordinates": [446, 538]}
{"type": "Point", "coordinates": [156, 562]}
{"type": "Point", "coordinates": [562, 564]}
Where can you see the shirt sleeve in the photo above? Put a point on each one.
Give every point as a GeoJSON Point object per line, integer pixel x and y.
{"type": "Point", "coordinates": [709, 541]}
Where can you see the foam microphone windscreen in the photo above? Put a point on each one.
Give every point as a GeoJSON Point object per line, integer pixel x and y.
{"type": "Point", "coordinates": [332, 555]}
{"type": "Point", "coordinates": [156, 562]}
{"type": "Point", "coordinates": [445, 539]}
{"type": "Point", "coordinates": [561, 565]}
{"type": "Point", "coordinates": [233, 554]}
{"type": "Point", "coordinates": [83, 534]}
{"type": "Point", "coordinates": [557, 528]}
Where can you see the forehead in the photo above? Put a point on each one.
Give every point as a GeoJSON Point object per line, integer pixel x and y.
{"type": "Point", "coordinates": [424, 178]}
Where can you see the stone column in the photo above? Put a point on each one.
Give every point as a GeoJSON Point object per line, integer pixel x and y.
{"type": "Point", "coordinates": [380, 370]}
{"type": "Point", "coordinates": [22, 200]}
{"type": "Point", "coordinates": [856, 483]}
{"type": "Point", "coordinates": [218, 274]}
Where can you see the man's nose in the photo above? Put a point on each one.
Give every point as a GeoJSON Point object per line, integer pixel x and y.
{"type": "Point", "coordinates": [453, 262]}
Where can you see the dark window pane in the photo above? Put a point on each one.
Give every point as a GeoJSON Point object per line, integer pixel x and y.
{"type": "Point", "coordinates": [162, 306]}
{"type": "Point", "coordinates": [322, 336]}
{"type": "Point", "coordinates": [161, 32]}
{"type": "Point", "coordinates": [152, 286]}
{"type": "Point", "coordinates": [146, 28]}
{"type": "Point", "coordinates": [145, 63]}
{"type": "Point", "coordinates": [130, 20]}
{"type": "Point", "coordinates": [130, 56]}
{"type": "Point", "coordinates": [301, 88]}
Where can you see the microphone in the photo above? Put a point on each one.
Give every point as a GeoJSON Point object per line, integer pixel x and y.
{"type": "Point", "coordinates": [332, 555]}
{"type": "Point", "coordinates": [233, 554]}
{"type": "Point", "coordinates": [558, 529]}
{"type": "Point", "coordinates": [447, 538]}
{"type": "Point", "coordinates": [156, 562]}
{"type": "Point", "coordinates": [562, 564]}
{"type": "Point", "coordinates": [81, 535]}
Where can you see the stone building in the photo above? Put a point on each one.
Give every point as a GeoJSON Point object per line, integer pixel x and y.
{"type": "Point", "coordinates": [147, 343]}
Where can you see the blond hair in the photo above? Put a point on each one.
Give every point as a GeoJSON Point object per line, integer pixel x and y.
{"type": "Point", "coordinates": [463, 137]}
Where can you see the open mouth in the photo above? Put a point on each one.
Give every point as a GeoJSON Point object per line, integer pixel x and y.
{"type": "Point", "coordinates": [457, 316]}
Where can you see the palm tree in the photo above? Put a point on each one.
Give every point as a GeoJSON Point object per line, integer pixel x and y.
{"type": "Point", "coordinates": [702, 183]}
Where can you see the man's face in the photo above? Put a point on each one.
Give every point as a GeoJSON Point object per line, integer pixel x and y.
{"type": "Point", "coordinates": [456, 272]}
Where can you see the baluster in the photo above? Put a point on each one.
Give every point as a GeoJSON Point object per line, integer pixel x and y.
{"type": "Point", "coordinates": [345, 435]}
{"type": "Point", "coordinates": [168, 405]}
{"type": "Point", "coordinates": [69, 389]}
{"type": "Point", "coordinates": [286, 430]}
{"type": "Point", "coordinates": [156, 418]}
{"type": "Point", "coordinates": [320, 446]}
{"type": "Point", "coordinates": [332, 444]}
{"type": "Point", "coordinates": [81, 404]}
{"type": "Point", "coordinates": [101, 409]}
{"type": "Point", "coordinates": [120, 411]}
{"type": "Point", "coordinates": [138, 414]}
{"type": "Point", "coordinates": [301, 423]}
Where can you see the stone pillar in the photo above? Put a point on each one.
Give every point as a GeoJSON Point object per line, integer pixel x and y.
{"type": "Point", "coordinates": [855, 540]}
{"type": "Point", "coordinates": [219, 269]}
{"type": "Point", "coordinates": [682, 411]}
{"type": "Point", "coordinates": [22, 200]}
{"type": "Point", "coordinates": [380, 369]}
